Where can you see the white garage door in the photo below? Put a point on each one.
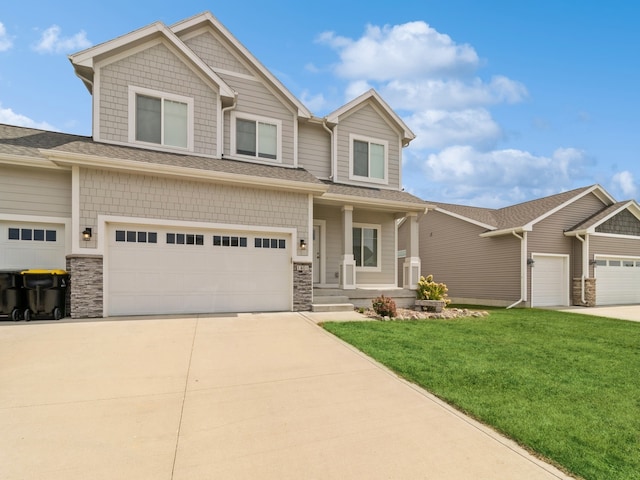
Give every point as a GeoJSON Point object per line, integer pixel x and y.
{"type": "Point", "coordinates": [31, 245]}
{"type": "Point", "coordinates": [549, 281]}
{"type": "Point", "coordinates": [176, 270]}
{"type": "Point", "coordinates": [617, 280]}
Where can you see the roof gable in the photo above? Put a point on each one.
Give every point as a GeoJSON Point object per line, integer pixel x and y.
{"type": "Point", "coordinates": [84, 62]}
{"type": "Point", "coordinates": [207, 20]}
{"type": "Point", "coordinates": [613, 219]}
{"type": "Point", "coordinates": [371, 97]}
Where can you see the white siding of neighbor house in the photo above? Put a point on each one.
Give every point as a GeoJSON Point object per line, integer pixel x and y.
{"type": "Point", "coordinates": [156, 68]}
{"type": "Point", "coordinates": [314, 150]}
{"type": "Point", "coordinates": [143, 196]}
{"type": "Point", "coordinates": [368, 122]}
{"type": "Point", "coordinates": [35, 191]}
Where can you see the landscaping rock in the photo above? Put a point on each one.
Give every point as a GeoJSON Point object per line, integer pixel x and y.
{"type": "Point", "coordinates": [447, 313]}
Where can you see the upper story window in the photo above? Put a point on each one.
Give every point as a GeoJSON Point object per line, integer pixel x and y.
{"type": "Point", "coordinates": [368, 159]}
{"type": "Point", "coordinates": [160, 119]}
{"type": "Point", "coordinates": [256, 137]}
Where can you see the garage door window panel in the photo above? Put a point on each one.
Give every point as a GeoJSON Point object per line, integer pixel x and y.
{"type": "Point", "coordinates": [28, 234]}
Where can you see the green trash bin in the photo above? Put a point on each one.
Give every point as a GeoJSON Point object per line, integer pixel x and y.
{"type": "Point", "coordinates": [46, 293]}
{"type": "Point", "coordinates": [12, 295]}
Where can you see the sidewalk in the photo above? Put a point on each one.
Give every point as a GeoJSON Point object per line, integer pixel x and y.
{"type": "Point", "coordinates": [248, 396]}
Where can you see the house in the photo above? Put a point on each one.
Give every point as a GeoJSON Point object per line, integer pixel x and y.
{"type": "Point", "coordinates": [206, 186]}
{"type": "Point", "coordinates": [580, 247]}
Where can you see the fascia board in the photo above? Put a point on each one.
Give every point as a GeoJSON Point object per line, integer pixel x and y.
{"type": "Point", "coordinates": [465, 219]}
{"type": "Point", "coordinates": [507, 231]}
{"type": "Point", "coordinates": [26, 161]}
{"type": "Point", "coordinates": [90, 161]}
{"type": "Point", "coordinates": [373, 203]}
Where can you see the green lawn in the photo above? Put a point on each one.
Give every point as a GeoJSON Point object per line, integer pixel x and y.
{"type": "Point", "coordinates": [566, 386]}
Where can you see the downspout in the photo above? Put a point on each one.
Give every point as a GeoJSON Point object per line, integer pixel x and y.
{"type": "Point", "coordinates": [222, 112]}
{"type": "Point", "coordinates": [331, 149]}
{"type": "Point", "coordinates": [585, 258]}
{"type": "Point", "coordinates": [523, 268]}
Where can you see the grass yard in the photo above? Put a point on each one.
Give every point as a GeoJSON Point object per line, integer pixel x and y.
{"type": "Point", "coordinates": [566, 386]}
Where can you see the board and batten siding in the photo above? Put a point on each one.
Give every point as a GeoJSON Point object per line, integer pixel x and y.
{"type": "Point", "coordinates": [134, 195]}
{"type": "Point", "coordinates": [367, 122]}
{"type": "Point", "coordinates": [35, 191]}
{"type": "Point", "coordinates": [314, 150]}
{"type": "Point", "coordinates": [471, 266]}
{"type": "Point", "coordinates": [159, 69]}
{"type": "Point", "coordinates": [255, 98]}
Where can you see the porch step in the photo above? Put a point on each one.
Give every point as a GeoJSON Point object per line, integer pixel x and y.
{"type": "Point", "coordinates": [332, 307]}
{"type": "Point", "coordinates": [330, 299]}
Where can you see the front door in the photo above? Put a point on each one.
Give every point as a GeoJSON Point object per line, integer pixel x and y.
{"type": "Point", "coordinates": [316, 254]}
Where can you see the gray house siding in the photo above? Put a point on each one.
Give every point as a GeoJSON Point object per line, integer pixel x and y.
{"type": "Point", "coordinates": [604, 245]}
{"type": "Point", "coordinates": [215, 53]}
{"type": "Point", "coordinates": [367, 121]}
{"type": "Point", "coordinates": [314, 150]}
{"type": "Point", "coordinates": [624, 223]}
{"type": "Point", "coordinates": [35, 191]}
{"type": "Point", "coordinates": [159, 69]}
{"type": "Point", "coordinates": [143, 196]}
{"type": "Point", "coordinates": [472, 267]}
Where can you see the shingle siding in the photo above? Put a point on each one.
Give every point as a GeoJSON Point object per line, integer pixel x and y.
{"type": "Point", "coordinates": [215, 53]}
{"type": "Point", "coordinates": [159, 69]}
{"type": "Point", "coordinates": [624, 223]}
{"type": "Point", "coordinates": [35, 191]}
{"type": "Point", "coordinates": [367, 122]}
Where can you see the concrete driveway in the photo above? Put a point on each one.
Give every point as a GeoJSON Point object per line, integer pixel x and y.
{"type": "Point", "coordinates": [252, 396]}
{"type": "Point", "coordinates": [621, 312]}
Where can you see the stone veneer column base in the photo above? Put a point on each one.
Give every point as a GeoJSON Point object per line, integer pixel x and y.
{"type": "Point", "coordinates": [589, 292]}
{"type": "Point", "coordinates": [85, 286]}
{"type": "Point", "coordinates": [302, 286]}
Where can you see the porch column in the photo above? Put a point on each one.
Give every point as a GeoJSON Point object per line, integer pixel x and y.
{"type": "Point", "coordinates": [411, 265]}
{"type": "Point", "coordinates": [347, 263]}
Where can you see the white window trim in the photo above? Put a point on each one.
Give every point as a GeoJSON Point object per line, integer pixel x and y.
{"type": "Point", "coordinates": [362, 138]}
{"type": "Point", "coordinates": [134, 91]}
{"type": "Point", "coordinates": [372, 226]}
{"type": "Point", "coordinates": [257, 118]}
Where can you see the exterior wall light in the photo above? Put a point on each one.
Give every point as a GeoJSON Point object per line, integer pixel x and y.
{"type": "Point", "coordinates": [86, 235]}
{"type": "Point", "coordinates": [303, 244]}
{"type": "Point", "coordinates": [530, 262]}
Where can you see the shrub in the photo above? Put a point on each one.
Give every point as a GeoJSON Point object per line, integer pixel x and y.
{"type": "Point", "coordinates": [430, 290]}
{"type": "Point", "coordinates": [384, 306]}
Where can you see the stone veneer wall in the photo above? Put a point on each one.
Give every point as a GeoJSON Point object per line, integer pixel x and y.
{"type": "Point", "coordinates": [302, 287]}
{"type": "Point", "coordinates": [85, 286]}
{"type": "Point", "coordinates": [589, 292]}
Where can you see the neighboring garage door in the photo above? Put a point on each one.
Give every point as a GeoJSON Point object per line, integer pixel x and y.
{"type": "Point", "coordinates": [617, 280]}
{"type": "Point", "coordinates": [549, 281]}
{"type": "Point", "coordinates": [32, 245]}
{"type": "Point", "coordinates": [177, 270]}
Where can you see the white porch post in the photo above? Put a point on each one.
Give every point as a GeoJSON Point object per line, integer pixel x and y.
{"type": "Point", "coordinates": [411, 265]}
{"type": "Point", "coordinates": [347, 263]}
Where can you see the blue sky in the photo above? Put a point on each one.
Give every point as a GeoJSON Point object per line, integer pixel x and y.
{"type": "Point", "coordinates": [510, 100]}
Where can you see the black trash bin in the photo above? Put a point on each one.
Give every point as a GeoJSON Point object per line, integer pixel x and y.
{"type": "Point", "coordinates": [46, 292]}
{"type": "Point", "coordinates": [13, 299]}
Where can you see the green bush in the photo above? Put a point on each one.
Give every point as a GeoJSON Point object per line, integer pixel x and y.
{"type": "Point", "coordinates": [384, 306]}
{"type": "Point", "coordinates": [430, 290]}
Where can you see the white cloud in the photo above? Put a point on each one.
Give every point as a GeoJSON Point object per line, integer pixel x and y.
{"type": "Point", "coordinates": [441, 128]}
{"type": "Point", "coordinates": [313, 102]}
{"type": "Point", "coordinates": [51, 42]}
{"type": "Point", "coordinates": [409, 50]}
{"type": "Point", "coordinates": [625, 182]}
{"type": "Point", "coordinates": [9, 117]}
{"type": "Point", "coordinates": [6, 42]}
{"type": "Point", "coordinates": [502, 177]}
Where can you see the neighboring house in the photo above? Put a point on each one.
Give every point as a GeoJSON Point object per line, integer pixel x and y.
{"type": "Point", "coordinates": [206, 185]}
{"type": "Point", "coordinates": [575, 248]}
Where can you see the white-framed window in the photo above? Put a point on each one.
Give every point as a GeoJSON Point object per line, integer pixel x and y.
{"type": "Point", "coordinates": [159, 118]}
{"type": "Point", "coordinates": [256, 137]}
{"type": "Point", "coordinates": [366, 246]}
{"type": "Point", "coordinates": [368, 159]}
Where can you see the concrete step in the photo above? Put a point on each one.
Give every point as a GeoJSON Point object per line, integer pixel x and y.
{"type": "Point", "coordinates": [332, 307]}
{"type": "Point", "coordinates": [330, 299]}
